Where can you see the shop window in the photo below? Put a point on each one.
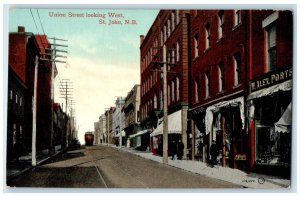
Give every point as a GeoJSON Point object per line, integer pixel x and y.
{"type": "Point", "coordinates": [207, 35]}
{"type": "Point", "coordinates": [196, 45]}
{"type": "Point", "coordinates": [207, 84]}
{"type": "Point", "coordinates": [237, 17]}
{"type": "Point", "coordinates": [221, 24]}
{"type": "Point", "coordinates": [237, 69]}
{"type": "Point", "coordinates": [221, 74]}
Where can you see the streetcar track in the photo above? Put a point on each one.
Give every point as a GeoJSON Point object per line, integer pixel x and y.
{"type": "Point", "coordinates": [98, 171]}
{"type": "Point", "coordinates": [126, 171]}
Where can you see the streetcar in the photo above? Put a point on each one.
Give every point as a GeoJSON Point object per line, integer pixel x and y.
{"type": "Point", "coordinates": [89, 138]}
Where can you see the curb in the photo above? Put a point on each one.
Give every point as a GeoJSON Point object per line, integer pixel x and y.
{"type": "Point", "coordinates": [15, 175]}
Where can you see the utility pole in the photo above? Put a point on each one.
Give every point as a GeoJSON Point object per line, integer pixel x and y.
{"type": "Point", "coordinates": [54, 55]}
{"type": "Point", "coordinates": [33, 145]}
{"type": "Point", "coordinates": [165, 64]}
{"type": "Point", "coordinates": [66, 90]}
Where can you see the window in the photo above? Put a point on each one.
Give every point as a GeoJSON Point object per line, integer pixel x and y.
{"type": "Point", "coordinates": [196, 46]}
{"type": "Point", "coordinates": [237, 17]}
{"type": "Point", "coordinates": [161, 38]}
{"type": "Point", "coordinates": [16, 99]}
{"type": "Point", "coordinates": [169, 94]}
{"type": "Point", "coordinates": [169, 27]}
{"type": "Point", "coordinates": [177, 17]}
{"type": "Point", "coordinates": [237, 69]}
{"type": "Point", "coordinates": [155, 101]}
{"type": "Point", "coordinates": [173, 54]}
{"type": "Point", "coordinates": [221, 77]}
{"type": "Point", "coordinates": [20, 101]}
{"type": "Point", "coordinates": [221, 24]}
{"type": "Point", "coordinates": [173, 20]}
{"type": "Point", "coordinates": [177, 52]}
{"type": "Point", "coordinates": [177, 89]}
{"type": "Point", "coordinates": [196, 90]}
{"type": "Point", "coordinates": [207, 84]}
{"type": "Point", "coordinates": [207, 35]}
{"type": "Point", "coordinates": [173, 91]}
{"type": "Point", "coordinates": [271, 47]}
{"type": "Point", "coordinates": [165, 32]}
{"type": "Point", "coordinates": [161, 99]}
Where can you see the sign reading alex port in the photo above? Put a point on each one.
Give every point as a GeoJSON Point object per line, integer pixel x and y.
{"type": "Point", "coordinates": [270, 79]}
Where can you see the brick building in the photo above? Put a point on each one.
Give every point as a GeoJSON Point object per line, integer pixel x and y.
{"type": "Point", "coordinates": [231, 51]}
{"type": "Point", "coordinates": [270, 92]}
{"type": "Point", "coordinates": [166, 44]}
{"type": "Point", "coordinates": [109, 128]}
{"type": "Point", "coordinates": [25, 49]}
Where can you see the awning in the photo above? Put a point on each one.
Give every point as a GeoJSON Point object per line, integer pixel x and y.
{"type": "Point", "coordinates": [216, 107]}
{"type": "Point", "coordinates": [284, 123]}
{"type": "Point", "coordinates": [285, 86]}
{"type": "Point", "coordinates": [174, 125]}
{"type": "Point", "coordinates": [138, 134]}
{"type": "Point", "coordinates": [123, 134]}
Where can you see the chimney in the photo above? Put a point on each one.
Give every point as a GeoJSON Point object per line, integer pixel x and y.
{"type": "Point", "coordinates": [21, 29]}
{"type": "Point", "coordinates": [141, 39]}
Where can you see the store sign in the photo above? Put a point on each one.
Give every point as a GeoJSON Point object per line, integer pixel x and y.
{"type": "Point", "coordinates": [270, 79]}
{"type": "Point", "coordinates": [240, 157]}
{"type": "Point", "coordinates": [196, 112]}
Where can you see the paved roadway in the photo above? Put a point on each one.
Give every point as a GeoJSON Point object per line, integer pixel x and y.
{"type": "Point", "coordinates": [103, 167]}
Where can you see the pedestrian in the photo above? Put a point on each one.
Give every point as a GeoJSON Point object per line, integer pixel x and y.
{"type": "Point", "coordinates": [213, 153]}
{"type": "Point", "coordinates": [173, 149]}
{"type": "Point", "coordinates": [180, 149]}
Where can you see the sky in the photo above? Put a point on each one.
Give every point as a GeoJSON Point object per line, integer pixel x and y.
{"type": "Point", "coordinates": [102, 60]}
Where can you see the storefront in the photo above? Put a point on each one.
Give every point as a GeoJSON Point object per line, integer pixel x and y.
{"type": "Point", "coordinates": [269, 121]}
{"type": "Point", "coordinates": [174, 132]}
{"type": "Point", "coordinates": [140, 140]}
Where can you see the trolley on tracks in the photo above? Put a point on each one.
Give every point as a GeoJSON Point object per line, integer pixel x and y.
{"type": "Point", "coordinates": [89, 138]}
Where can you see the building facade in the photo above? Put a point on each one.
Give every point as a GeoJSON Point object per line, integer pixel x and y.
{"type": "Point", "coordinates": [118, 120]}
{"type": "Point", "coordinates": [109, 126]}
{"type": "Point", "coordinates": [166, 44]}
{"type": "Point", "coordinates": [132, 114]}
{"type": "Point", "coordinates": [231, 52]}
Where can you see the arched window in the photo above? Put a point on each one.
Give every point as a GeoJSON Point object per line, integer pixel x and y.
{"type": "Point", "coordinates": [207, 35]}
{"type": "Point", "coordinates": [221, 24]}
{"type": "Point", "coordinates": [177, 89]}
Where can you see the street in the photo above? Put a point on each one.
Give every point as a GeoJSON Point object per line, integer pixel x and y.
{"type": "Point", "coordinates": [107, 167]}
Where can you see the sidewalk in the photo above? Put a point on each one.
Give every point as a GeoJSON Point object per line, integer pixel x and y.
{"type": "Point", "coordinates": [15, 168]}
{"type": "Point", "coordinates": [252, 180]}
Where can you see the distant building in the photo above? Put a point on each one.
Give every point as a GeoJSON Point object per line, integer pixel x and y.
{"type": "Point", "coordinates": [118, 119]}
{"type": "Point", "coordinates": [102, 129]}
{"type": "Point", "coordinates": [132, 114]}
